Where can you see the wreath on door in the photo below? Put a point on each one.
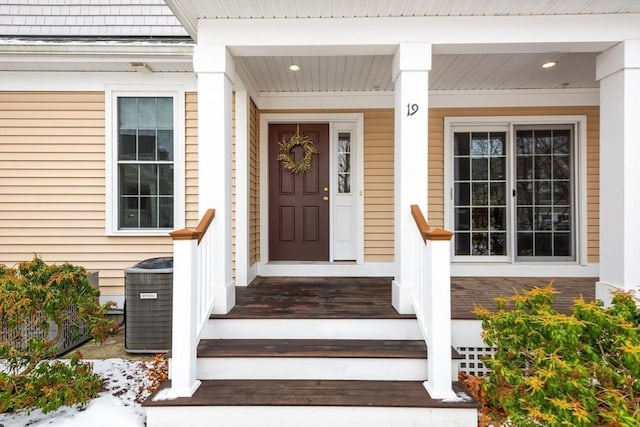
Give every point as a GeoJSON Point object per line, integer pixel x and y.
{"type": "Point", "coordinates": [286, 156]}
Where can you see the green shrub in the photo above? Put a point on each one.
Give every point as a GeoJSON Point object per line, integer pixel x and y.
{"type": "Point", "coordinates": [552, 369]}
{"type": "Point", "coordinates": [34, 296]}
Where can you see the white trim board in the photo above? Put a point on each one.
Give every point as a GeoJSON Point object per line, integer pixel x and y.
{"type": "Point", "coordinates": [96, 81]}
{"type": "Point", "coordinates": [90, 81]}
{"type": "Point", "coordinates": [326, 269]}
{"type": "Point", "coordinates": [437, 99]}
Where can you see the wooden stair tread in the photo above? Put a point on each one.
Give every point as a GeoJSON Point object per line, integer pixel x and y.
{"type": "Point", "coordinates": [409, 394]}
{"type": "Point", "coordinates": [315, 298]}
{"type": "Point", "coordinates": [312, 348]}
{"type": "Point", "coordinates": [383, 349]}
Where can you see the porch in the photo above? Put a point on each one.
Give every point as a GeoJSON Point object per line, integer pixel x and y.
{"type": "Point", "coordinates": [256, 362]}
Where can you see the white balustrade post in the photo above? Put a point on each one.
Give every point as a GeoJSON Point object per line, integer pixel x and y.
{"type": "Point", "coordinates": [184, 325]}
{"type": "Point", "coordinates": [437, 316]}
{"type": "Point", "coordinates": [411, 66]}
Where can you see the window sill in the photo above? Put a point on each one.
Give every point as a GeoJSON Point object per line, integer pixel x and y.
{"type": "Point", "coordinates": [140, 233]}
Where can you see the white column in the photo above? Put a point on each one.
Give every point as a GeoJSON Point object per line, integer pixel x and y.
{"type": "Point", "coordinates": [242, 188]}
{"type": "Point", "coordinates": [618, 70]}
{"type": "Point", "coordinates": [411, 66]}
{"type": "Point", "coordinates": [214, 67]}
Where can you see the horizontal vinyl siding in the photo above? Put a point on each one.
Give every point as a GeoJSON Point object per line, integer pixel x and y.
{"type": "Point", "coordinates": [254, 184]}
{"type": "Point", "coordinates": [378, 186]}
{"type": "Point", "coordinates": [191, 159]}
{"type": "Point", "coordinates": [436, 159]}
{"type": "Point", "coordinates": [52, 185]}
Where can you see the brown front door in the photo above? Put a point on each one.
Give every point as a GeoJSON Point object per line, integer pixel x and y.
{"type": "Point", "coordinates": [298, 210]}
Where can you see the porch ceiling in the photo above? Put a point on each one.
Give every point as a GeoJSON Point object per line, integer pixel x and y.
{"type": "Point", "coordinates": [449, 72]}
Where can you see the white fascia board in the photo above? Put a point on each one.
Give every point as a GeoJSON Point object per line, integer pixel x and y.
{"type": "Point", "coordinates": [514, 98]}
{"type": "Point", "coordinates": [437, 99]}
{"type": "Point", "coordinates": [88, 81]}
{"type": "Point", "coordinates": [96, 48]}
{"type": "Point", "coordinates": [319, 33]}
{"type": "Point", "coordinates": [524, 270]}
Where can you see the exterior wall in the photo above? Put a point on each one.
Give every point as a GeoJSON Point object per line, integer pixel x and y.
{"type": "Point", "coordinates": [191, 159]}
{"type": "Point", "coordinates": [436, 159]}
{"type": "Point", "coordinates": [378, 173]}
{"type": "Point", "coordinates": [254, 184]}
{"type": "Point", "coordinates": [52, 185]}
{"type": "Point", "coordinates": [378, 186]}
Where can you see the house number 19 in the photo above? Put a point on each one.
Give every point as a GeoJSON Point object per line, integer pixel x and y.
{"type": "Point", "coordinates": [412, 109]}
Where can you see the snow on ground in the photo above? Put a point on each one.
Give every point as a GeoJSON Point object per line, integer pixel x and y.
{"type": "Point", "coordinates": [125, 381]}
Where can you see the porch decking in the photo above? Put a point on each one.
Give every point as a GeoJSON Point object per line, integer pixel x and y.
{"type": "Point", "coordinates": [370, 298]}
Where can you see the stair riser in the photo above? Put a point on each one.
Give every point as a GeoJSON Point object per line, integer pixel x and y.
{"type": "Point", "coordinates": [292, 368]}
{"type": "Point", "coordinates": [394, 329]}
{"type": "Point", "coordinates": [312, 416]}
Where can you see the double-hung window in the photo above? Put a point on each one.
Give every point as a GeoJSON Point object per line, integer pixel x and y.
{"type": "Point", "coordinates": [143, 168]}
{"type": "Point", "coordinates": [514, 191]}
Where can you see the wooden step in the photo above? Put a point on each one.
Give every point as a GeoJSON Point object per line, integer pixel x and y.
{"type": "Point", "coordinates": [326, 359]}
{"type": "Point", "coordinates": [405, 394]}
{"type": "Point", "coordinates": [387, 349]}
{"type": "Point", "coordinates": [314, 298]}
{"type": "Point", "coordinates": [311, 403]}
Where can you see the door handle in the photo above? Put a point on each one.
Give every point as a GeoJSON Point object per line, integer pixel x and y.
{"type": "Point", "coordinates": [325, 198]}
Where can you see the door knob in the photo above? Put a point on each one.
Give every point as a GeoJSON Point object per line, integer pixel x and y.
{"type": "Point", "coordinates": [325, 198]}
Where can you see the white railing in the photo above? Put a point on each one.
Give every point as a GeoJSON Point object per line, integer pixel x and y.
{"type": "Point", "coordinates": [432, 302]}
{"type": "Point", "coordinates": [192, 302]}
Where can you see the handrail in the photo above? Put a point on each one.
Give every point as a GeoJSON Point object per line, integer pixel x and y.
{"type": "Point", "coordinates": [427, 232]}
{"type": "Point", "coordinates": [198, 232]}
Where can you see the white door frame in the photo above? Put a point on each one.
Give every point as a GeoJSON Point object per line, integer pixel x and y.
{"type": "Point", "coordinates": [309, 268]}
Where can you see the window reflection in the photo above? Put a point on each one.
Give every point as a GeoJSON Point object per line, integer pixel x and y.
{"type": "Point", "coordinates": [344, 162]}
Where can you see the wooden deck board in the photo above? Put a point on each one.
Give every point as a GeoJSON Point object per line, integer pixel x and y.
{"type": "Point", "coordinates": [383, 349]}
{"type": "Point", "coordinates": [411, 394]}
{"type": "Point", "coordinates": [370, 297]}
{"type": "Point", "coordinates": [467, 292]}
{"type": "Point", "coordinates": [317, 348]}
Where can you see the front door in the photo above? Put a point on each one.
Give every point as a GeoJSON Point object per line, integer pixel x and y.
{"type": "Point", "coordinates": [299, 203]}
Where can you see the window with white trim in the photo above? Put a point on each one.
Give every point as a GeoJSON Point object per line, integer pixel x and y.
{"type": "Point", "coordinates": [144, 151]}
{"type": "Point", "coordinates": [514, 191]}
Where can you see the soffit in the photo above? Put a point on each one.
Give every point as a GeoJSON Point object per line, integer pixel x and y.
{"type": "Point", "coordinates": [449, 72]}
{"type": "Point", "coordinates": [189, 11]}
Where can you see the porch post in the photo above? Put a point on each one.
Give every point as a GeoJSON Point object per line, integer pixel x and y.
{"type": "Point", "coordinates": [618, 70]}
{"type": "Point", "coordinates": [214, 67]}
{"type": "Point", "coordinates": [411, 66]}
{"type": "Point", "coordinates": [242, 188]}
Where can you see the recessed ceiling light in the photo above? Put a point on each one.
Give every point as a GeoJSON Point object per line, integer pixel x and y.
{"type": "Point", "coordinates": [294, 67]}
{"type": "Point", "coordinates": [549, 64]}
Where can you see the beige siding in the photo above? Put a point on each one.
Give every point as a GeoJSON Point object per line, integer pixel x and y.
{"type": "Point", "coordinates": [378, 185]}
{"type": "Point", "coordinates": [254, 184]}
{"type": "Point", "coordinates": [52, 185]}
{"type": "Point", "coordinates": [191, 159]}
{"type": "Point", "coordinates": [436, 159]}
